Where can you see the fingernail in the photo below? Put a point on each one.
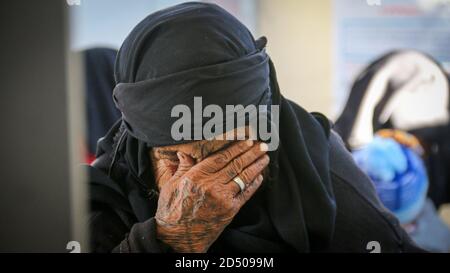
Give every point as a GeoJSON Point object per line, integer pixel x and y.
{"type": "Point", "coordinates": [264, 147]}
{"type": "Point", "coordinates": [260, 177]}
{"type": "Point", "coordinates": [249, 142]}
{"type": "Point", "coordinates": [180, 155]}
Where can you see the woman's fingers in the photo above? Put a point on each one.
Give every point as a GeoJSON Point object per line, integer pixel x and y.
{"type": "Point", "coordinates": [237, 165]}
{"type": "Point", "coordinates": [220, 159]}
{"type": "Point", "coordinates": [185, 164]}
{"type": "Point", "coordinates": [249, 174]}
{"type": "Point", "coordinates": [241, 198]}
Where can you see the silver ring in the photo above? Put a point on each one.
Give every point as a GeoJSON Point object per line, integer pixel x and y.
{"type": "Point", "coordinates": [240, 183]}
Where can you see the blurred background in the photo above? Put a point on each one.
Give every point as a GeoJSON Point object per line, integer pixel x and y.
{"type": "Point", "coordinates": [57, 60]}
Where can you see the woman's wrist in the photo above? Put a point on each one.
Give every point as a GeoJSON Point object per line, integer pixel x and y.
{"type": "Point", "coordinates": [180, 239]}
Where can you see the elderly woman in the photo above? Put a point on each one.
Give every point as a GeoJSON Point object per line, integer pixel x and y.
{"type": "Point", "coordinates": [152, 193]}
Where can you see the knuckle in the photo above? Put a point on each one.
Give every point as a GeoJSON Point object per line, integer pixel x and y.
{"type": "Point", "coordinates": [207, 167]}
{"type": "Point", "coordinates": [251, 189]}
{"type": "Point", "coordinates": [221, 158]}
{"type": "Point", "coordinates": [222, 177]}
{"type": "Point", "coordinates": [254, 186]}
{"type": "Point", "coordinates": [238, 164]}
{"type": "Point", "coordinates": [231, 172]}
{"type": "Point", "coordinates": [227, 154]}
{"type": "Point", "coordinates": [246, 176]}
{"type": "Point", "coordinates": [243, 145]}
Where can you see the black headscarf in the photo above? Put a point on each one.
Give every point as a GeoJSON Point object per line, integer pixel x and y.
{"type": "Point", "coordinates": [199, 49]}
{"type": "Point", "coordinates": [193, 50]}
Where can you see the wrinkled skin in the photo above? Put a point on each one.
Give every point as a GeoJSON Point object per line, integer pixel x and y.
{"type": "Point", "coordinates": [198, 198]}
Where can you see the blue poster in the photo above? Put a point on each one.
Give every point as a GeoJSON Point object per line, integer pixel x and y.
{"type": "Point", "coordinates": [366, 29]}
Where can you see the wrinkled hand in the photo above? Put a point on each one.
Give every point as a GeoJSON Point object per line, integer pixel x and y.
{"type": "Point", "coordinates": [200, 200]}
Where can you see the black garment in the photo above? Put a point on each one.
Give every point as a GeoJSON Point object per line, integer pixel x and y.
{"type": "Point", "coordinates": [99, 76]}
{"type": "Point", "coordinates": [295, 210]}
{"type": "Point", "coordinates": [436, 140]}
{"type": "Point", "coordinates": [360, 218]}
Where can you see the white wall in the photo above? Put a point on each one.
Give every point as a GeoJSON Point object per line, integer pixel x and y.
{"type": "Point", "coordinates": [300, 44]}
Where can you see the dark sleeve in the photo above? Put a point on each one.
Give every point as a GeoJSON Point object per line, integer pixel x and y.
{"type": "Point", "coordinates": [112, 224]}
{"type": "Point", "coordinates": [142, 238]}
{"type": "Point", "coordinates": [361, 217]}
{"type": "Point", "coordinates": [109, 233]}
